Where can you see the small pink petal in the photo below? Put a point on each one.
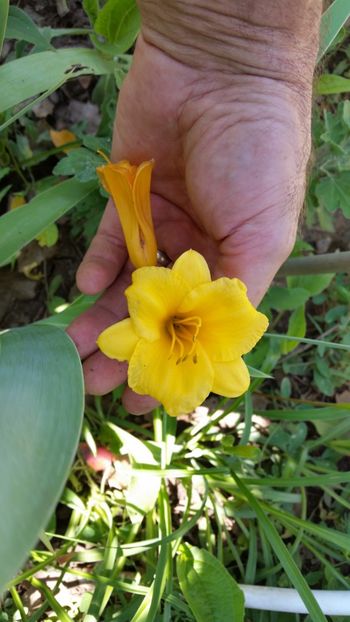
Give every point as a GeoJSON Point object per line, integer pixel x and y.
{"type": "Point", "coordinates": [101, 461]}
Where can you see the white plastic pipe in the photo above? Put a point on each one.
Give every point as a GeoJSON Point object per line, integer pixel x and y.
{"type": "Point", "coordinates": [287, 600]}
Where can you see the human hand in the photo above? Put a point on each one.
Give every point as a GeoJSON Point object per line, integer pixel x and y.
{"type": "Point", "coordinates": [230, 151]}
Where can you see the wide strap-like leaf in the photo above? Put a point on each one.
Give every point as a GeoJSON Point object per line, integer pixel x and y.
{"type": "Point", "coordinates": [20, 226]}
{"type": "Point", "coordinates": [41, 407]}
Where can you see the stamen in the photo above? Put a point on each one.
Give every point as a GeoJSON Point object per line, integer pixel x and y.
{"type": "Point", "coordinates": [183, 333]}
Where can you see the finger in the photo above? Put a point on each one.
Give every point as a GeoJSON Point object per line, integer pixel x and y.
{"type": "Point", "coordinates": [138, 404]}
{"type": "Point", "coordinates": [106, 255]}
{"type": "Point", "coordinates": [110, 308]}
{"type": "Point", "coordinates": [102, 374]}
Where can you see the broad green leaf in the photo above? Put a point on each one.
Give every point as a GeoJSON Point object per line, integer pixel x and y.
{"type": "Point", "coordinates": [332, 21]}
{"type": "Point", "coordinates": [209, 589]}
{"type": "Point", "coordinates": [20, 26]}
{"type": "Point", "coordinates": [42, 397]}
{"type": "Point", "coordinates": [283, 298]}
{"type": "Point", "coordinates": [119, 23]}
{"type": "Point", "coordinates": [334, 192]}
{"type": "Point", "coordinates": [297, 327]}
{"type": "Point", "coordinates": [313, 283]}
{"type": "Point", "coordinates": [143, 489]}
{"type": "Point", "coordinates": [43, 73]}
{"type": "Point", "coordinates": [4, 9]}
{"type": "Point", "coordinates": [81, 163]}
{"type": "Point", "coordinates": [22, 225]}
{"type": "Point", "coordinates": [330, 83]}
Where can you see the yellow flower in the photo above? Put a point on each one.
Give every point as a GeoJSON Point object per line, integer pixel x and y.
{"type": "Point", "coordinates": [129, 187]}
{"type": "Point", "coordinates": [185, 335]}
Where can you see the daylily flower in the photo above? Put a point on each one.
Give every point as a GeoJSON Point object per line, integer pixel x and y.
{"type": "Point", "coordinates": [185, 335]}
{"type": "Point", "coordinates": [129, 187]}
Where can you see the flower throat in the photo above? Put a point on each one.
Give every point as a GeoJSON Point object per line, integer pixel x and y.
{"type": "Point", "coordinates": [183, 332]}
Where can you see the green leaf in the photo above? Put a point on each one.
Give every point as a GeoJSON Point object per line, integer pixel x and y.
{"type": "Point", "coordinates": [42, 73]}
{"type": "Point", "coordinates": [49, 236]}
{"type": "Point", "coordinates": [341, 445]}
{"type": "Point", "coordinates": [328, 413]}
{"type": "Point", "coordinates": [315, 342]}
{"type": "Point", "coordinates": [4, 9]}
{"type": "Point", "coordinates": [4, 171]}
{"type": "Point", "coordinates": [91, 8]}
{"type": "Point", "coordinates": [296, 327]}
{"type": "Point", "coordinates": [42, 397]}
{"type": "Point", "coordinates": [334, 192]}
{"type": "Point", "coordinates": [346, 113]}
{"type": "Point", "coordinates": [313, 283]}
{"type": "Point", "coordinates": [281, 551]}
{"type": "Point", "coordinates": [20, 26]}
{"type": "Point", "coordinates": [81, 163]}
{"type": "Point", "coordinates": [119, 23]}
{"type": "Point", "coordinates": [209, 589]}
{"type": "Point", "coordinates": [63, 318]}
{"type": "Point", "coordinates": [143, 489]}
{"type": "Point", "coordinates": [4, 191]}
{"type": "Point", "coordinates": [22, 225]}
{"type": "Point", "coordinates": [97, 143]}
{"type": "Point", "coordinates": [332, 21]}
{"type": "Point", "coordinates": [256, 373]}
{"type": "Point", "coordinates": [330, 83]}
{"type": "Point", "coordinates": [283, 299]}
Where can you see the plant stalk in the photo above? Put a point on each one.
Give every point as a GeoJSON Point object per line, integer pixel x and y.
{"type": "Point", "coordinates": [316, 264]}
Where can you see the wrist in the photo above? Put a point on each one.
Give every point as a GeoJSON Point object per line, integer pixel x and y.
{"type": "Point", "coordinates": [267, 39]}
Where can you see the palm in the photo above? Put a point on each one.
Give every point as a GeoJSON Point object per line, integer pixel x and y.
{"type": "Point", "coordinates": [228, 181]}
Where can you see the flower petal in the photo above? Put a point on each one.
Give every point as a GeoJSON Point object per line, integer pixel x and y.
{"type": "Point", "coordinates": [153, 298]}
{"type": "Point", "coordinates": [231, 326]}
{"type": "Point", "coordinates": [231, 378]}
{"type": "Point", "coordinates": [118, 341]}
{"type": "Point", "coordinates": [192, 268]}
{"type": "Point", "coordinates": [116, 180]}
{"type": "Point", "coordinates": [142, 205]}
{"type": "Point", "coordinates": [180, 387]}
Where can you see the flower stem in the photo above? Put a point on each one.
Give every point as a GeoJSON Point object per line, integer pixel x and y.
{"type": "Point", "coordinates": [316, 264]}
{"type": "Point", "coordinates": [164, 433]}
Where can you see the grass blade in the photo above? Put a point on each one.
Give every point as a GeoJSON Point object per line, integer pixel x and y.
{"type": "Point", "coordinates": [4, 10]}
{"type": "Point", "coordinates": [283, 555]}
{"type": "Point", "coordinates": [314, 342]}
{"type": "Point", "coordinates": [332, 21]}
